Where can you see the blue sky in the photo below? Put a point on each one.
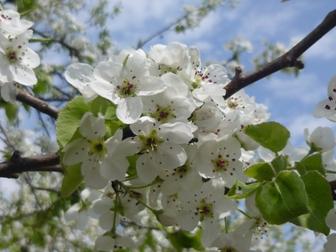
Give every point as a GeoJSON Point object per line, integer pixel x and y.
{"type": "Point", "coordinates": [290, 100]}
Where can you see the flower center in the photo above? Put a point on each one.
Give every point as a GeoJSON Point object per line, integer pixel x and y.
{"type": "Point", "coordinates": [12, 56]}
{"type": "Point", "coordinates": [197, 82]}
{"type": "Point", "coordinates": [98, 148]}
{"type": "Point", "coordinates": [168, 69]}
{"type": "Point", "coordinates": [150, 142]}
{"type": "Point", "coordinates": [182, 170]}
{"type": "Point", "coordinates": [163, 114]}
{"type": "Point", "coordinates": [205, 209]}
{"type": "Point", "coordinates": [220, 164]}
{"type": "Point", "coordinates": [232, 104]}
{"type": "Point", "coordinates": [228, 249]}
{"type": "Point", "coordinates": [126, 89]}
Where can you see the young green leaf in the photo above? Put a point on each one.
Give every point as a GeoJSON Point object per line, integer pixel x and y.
{"type": "Point", "coordinates": [283, 199]}
{"type": "Point", "coordinates": [271, 135]}
{"type": "Point", "coordinates": [69, 119]}
{"type": "Point", "coordinates": [241, 190]}
{"type": "Point", "coordinates": [260, 172]}
{"type": "Point", "coordinates": [71, 181]}
{"type": "Point", "coordinates": [313, 162]}
{"type": "Point", "coordinates": [320, 201]}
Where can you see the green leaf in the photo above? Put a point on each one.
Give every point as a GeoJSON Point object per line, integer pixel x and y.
{"type": "Point", "coordinates": [104, 107]}
{"type": "Point", "coordinates": [69, 119]}
{"type": "Point", "coordinates": [43, 84]}
{"type": "Point", "coordinates": [11, 111]}
{"type": "Point", "coordinates": [283, 199]}
{"type": "Point", "coordinates": [260, 172]}
{"type": "Point", "coordinates": [71, 180]}
{"type": "Point", "coordinates": [320, 201]}
{"type": "Point", "coordinates": [25, 6]}
{"type": "Point", "coordinates": [280, 163]}
{"type": "Point", "coordinates": [241, 191]}
{"type": "Point", "coordinates": [182, 240]}
{"type": "Point", "coordinates": [313, 162]}
{"type": "Point", "coordinates": [270, 135]}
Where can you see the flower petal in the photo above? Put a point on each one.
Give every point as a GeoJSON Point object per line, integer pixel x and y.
{"type": "Point", "coordinates": [91, 127]}
{"type": "Point", "coordinates": [75, 151]}
{"type": "Point", "coordinates": [129, 110]}
{"type": "Point", "coordinates": [146, 169]}
{"type": "Point", "coordinates": [23, 74]}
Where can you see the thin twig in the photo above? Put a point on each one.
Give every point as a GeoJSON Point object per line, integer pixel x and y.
{"type": "Point", "coordinates": [158, 33]}
{"type": "Point", "coordinates": [289, 59]}
{"type": "Point", "coordinates": [72, 50]}
{"type": "Point", "coordinates": [43, 123]}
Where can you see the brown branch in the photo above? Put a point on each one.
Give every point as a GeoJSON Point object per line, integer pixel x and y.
{"type": "Point", "coordinates": [72, 50]}
{"type": "Point", "coordinates": [18, 164]}
{"type": "Point", "coordinates": [289, 59]}
{"type": "Point", "coordinates": [36, 103]}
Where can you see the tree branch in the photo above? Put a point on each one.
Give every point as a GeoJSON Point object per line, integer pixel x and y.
{"type": "Point", "coordinates": [18, 164]}
{"type": "Point", "coordinates": [158, 33]}
{"type": "Point", "coordinates": [289, 59]}
{"type": "Point", "coordinates": [36, 103]}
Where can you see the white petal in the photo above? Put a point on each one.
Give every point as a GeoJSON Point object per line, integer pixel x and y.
{"type": "Point", "coordinates": [187, 221]}
{"type": "Point", "coordinates": [75, 152]}
{"type": "Point", "coordinates": [217, 74]}
{"type": "Point", "coordinates": [102, 205]}
{"type": "Point", "coordinates": [325, 109]}
{"type": "Point", "coordinates": [129, 109]}
{"type": "Point", "coordinates": [177, 132]}
{"type": "Point", "coordinates": [91, 173]}
{"type": "Point", "coordinates": [128, 147]}
{"type": "Point", "coordinates": [211, 229]}
{"type": "Point", "coordinates": [106, 220]}
{"type": "Point", "coordinates": [91, 127]}
{"type": "Point", "coordinates": [331, 219]}
{"type": "Point", "coordinates": [80, 75]}
{"type": "Point", "coordinates": [170, 156]}
{"type": "Point", "coordinates": [113, 142]}
{"type": "Point", "coordinates": [146, 169]}
{"type": "Point", "coordinates": [323, 137]}
{"type": "Point", "coordinates": [108, 71]}
{"type": "Point", "coordinates": [5, 73]}
{"type": "Point", "coordinates": [8, 92]}
{"type": "Point", "coordinates": [332, 88]}
{"type": "Point", "coordinates": [104, 243]}
{"type": "Point", "coordinates": [114, 168]}
{"type": "Point", "coordinates": [330, 245]}
{"type": "Point", "coordinates": [144, 125]}
{"type": "Point", "coordinates": [176, 86]}
{"type": "Point", "coordinates": [150, 86]}
{"type": "Point", "coordinates": [30, 59]}
{"type": "Point", "coordinates": [23, 74]}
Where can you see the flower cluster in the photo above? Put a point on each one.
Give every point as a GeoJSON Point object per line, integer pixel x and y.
{"type": "Point", "coordinates": [185, 145]}
{"type": "Point", "coordinates": [17, 60]}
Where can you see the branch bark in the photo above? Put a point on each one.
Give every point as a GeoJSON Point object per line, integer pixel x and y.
{"type": "Point", "coordinates": [289, 59]}
{"type": "Point", "coordinates": [18, 164]}
{"type": "Point", "coordinates": [36, 103]}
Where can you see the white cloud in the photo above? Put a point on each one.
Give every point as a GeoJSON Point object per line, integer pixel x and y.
{"type": "Point", "coordinates": [306, 121]}
{"type": "Point", "coordinates": [324, 48]}
{"type": "Point", "coordinates": [8, 187]}
{"type": "Point", "coordinates": [268, 24]}
{"type": "Point", "coordinates": [139, 19]}
{"type": "Point", "coordinates": [306, 88]}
